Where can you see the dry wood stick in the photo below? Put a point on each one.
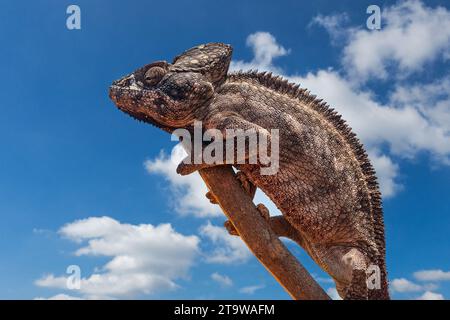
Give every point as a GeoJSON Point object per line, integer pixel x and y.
{"type": "Point", "coordinates": [258, 236]}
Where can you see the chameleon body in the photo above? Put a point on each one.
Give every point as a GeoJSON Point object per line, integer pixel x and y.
{"type": "Point", "coordinates": [325, 187]}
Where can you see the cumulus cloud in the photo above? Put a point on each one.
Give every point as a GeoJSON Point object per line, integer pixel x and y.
{"type": "Point", "coordinates": [404, 285]}
{"type": "Point", "coordinates": [429, 295]}
{"type": "Point", "coordinates": [227, 249]}
{"type": "Point", "coordinates": [265, 48]}
{"type": "Point", "coordinates": [412, 35]}
{"type": "Point", "coordinates": [432, 275]}
{"type": "Point", "coordinates": [188, 192]}
{"type": "Point", "coordinates": [50, 280]}
{"type": "Point", "coordinates": [387, 171]}
{"type": "Point", "coordinates": [223, 280]}
{"type": "Point", "coordinates": [333, 24]}
{"type": "Point", "coordinates": [432, 101]}
{"type": "Point", "coordinates": [251, 289]}
{"type": "Point", "coordinates": [404, 128]}
{"type": "Point", "coordinates": [145, 259]}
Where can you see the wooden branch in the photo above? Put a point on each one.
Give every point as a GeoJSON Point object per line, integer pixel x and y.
{"type": "Point", "coordinates": [259, 237]}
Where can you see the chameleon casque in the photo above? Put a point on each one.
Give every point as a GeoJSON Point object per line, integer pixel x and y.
{"type": "Point", "coordinates": [325, 187]}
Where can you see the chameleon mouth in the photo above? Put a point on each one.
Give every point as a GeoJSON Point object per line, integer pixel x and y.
{"type": "Point", "coordinates": [127, 96]}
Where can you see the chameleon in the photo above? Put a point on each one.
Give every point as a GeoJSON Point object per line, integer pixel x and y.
{"type": "Point", "coordinates": [325, 186]}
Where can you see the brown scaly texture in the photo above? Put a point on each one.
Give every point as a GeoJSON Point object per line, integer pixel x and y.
{"type": "Point", "coordinates": [292, 90]}
{"type": "Point", "coordinates": [325, 187]}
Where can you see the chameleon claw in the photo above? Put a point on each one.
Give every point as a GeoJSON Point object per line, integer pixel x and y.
{"type": "Point", "coordinates": [230, 228]}
{"type": "Point", "coordinates": [211, 197]}
{"type": "Point", "coordinates": [248, 186]}
{"type": "Point", "coordinates": [263, 211]}
{"type": "Point", "coordinates": [185, 169]}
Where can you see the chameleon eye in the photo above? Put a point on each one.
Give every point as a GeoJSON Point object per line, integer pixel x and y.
{"type": "Point", "coordinates": [154, 75]}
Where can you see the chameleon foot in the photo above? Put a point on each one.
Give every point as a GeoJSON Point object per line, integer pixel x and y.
{"type": "Point", "coordinates": [230, 228]}
{"type": "Point", "coordinates": [211, 197]}
{"type": "Point", "coordinates": [248, 186]}
{"type": "Point", "coordinates": [261, 209]}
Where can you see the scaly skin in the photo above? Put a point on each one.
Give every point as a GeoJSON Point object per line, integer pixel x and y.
{"type": "Point", "coordinates": [325, 187]}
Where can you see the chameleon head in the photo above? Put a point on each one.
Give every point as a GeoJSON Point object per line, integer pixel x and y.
{"type": "Point", "coordinates": [156, 95]}
{"type": "Point", "coordinates": [166, 94]}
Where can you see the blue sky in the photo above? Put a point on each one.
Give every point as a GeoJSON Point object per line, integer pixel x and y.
{"type": "Point", "coordinates": [83, 184]}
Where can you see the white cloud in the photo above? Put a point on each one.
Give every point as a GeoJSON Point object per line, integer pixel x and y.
{"type": "Point", "coordinates": [412, 35]}
{"type": "Point", "coordinates": [188, 192]}
{"type": "Point", "coordinates": [223, 280]}
{"type": "Point", "coordinates": [145, 259]}
{"type": "Point", "coordinates": [387, 171]}
{"type": "Point", "coordinates": [251, 289]}
{"type": "Point", "coordinates": [228, 249]}
{"type": "Point", "coordinates": [404, 129]}
{"type": "Point", "coordinates": [404, 285]}
{"type": "Point", "coordinates": [429, 295]}
{"type": "Point", "coordinates": [332, 292]}
{"type": "Point", "coordinates": [432, 275]}
{"type": "Point", "coordinates": [418, 94]}
{"type": "Point", "coordinates": [50, 280]}
{"type": "Point", "coordinates": [417, 115]}
{"type": "Point", "coordinates": [333, 25]}
{"type": "Point", "coordinates": [265, 49]}
{"type": "Point", "coordinates": [432, 100]}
